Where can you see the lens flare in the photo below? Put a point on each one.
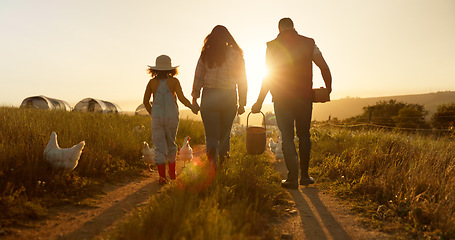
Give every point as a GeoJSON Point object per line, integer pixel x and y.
{"type": "Point", "coordinates": [196, 176]}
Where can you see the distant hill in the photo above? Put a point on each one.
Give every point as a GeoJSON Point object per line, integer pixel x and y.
{"type": "Point", "coordinates": [350, 107]}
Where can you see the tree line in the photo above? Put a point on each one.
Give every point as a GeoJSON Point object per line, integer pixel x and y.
{"type": "Point", "coordinates": [404, 115]}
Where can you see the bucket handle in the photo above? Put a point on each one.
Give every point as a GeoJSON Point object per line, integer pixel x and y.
{"type": "Point", "coordinates": [263, 119]}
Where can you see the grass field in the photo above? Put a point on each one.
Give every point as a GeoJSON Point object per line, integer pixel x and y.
{"type": "Point", "coordinates": [402, 184]}
{"type": "Point", "coordinates": [397, 180]}
{"type": "Point", "coordinates": [240, 203]}
{"type": "Point", "coordinates": [113, 150]}
{"type": "Point", "coordinates": [394, 180]}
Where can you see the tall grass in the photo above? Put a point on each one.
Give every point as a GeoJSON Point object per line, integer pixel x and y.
{"type": "Point", "coordinates": [113, 150]}
{"type": "Point", "coordinates": [238, 204]}
{"type": "Point", "coordinates": [410, 179]}
{"type": "Point", "coordinates": [402, 180]}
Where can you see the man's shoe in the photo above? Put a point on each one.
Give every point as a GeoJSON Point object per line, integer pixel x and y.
{"type": "Point", "coordinates": [289, 184]}
{"type": "Point", "coordinates": [306, 181]}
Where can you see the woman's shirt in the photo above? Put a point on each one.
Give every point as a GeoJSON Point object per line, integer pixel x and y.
{"type": "Point", "coordinates": [230, 75]}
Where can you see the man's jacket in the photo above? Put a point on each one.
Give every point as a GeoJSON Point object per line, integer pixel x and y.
{"type": "Point", "coordinates": [289, 59]}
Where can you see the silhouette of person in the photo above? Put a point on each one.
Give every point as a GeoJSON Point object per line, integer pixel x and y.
{"type": "Point", "coordinates": [164, 110]}
{"type": "Point", "coordinates": [220, 72]}
{"type": "Point", "coordinates": [289, 59]}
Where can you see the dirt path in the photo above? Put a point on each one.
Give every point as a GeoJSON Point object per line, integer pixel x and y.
{"type": "Point", "coordinates": [319, 216]}
{"type": "Point", "coordinates": [315, 215]}
{"type": "Point", "coordinates": [74, 222]}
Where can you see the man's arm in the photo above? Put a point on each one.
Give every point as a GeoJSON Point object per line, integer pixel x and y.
{"type": "Point", "coordinates": [262, 94]}
{"type": "Point", "coordinates": [318, 59]}
{"type": "Point", "coordinates": [264, 90]}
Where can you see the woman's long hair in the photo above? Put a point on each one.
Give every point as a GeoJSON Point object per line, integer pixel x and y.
{"type": "Point", "coordinates": [216, 44]}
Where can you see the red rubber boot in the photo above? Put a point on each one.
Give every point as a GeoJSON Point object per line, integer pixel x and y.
{"type": "Point", "coordinates": [162, 172]}
{"type": "Point", "coordinates": [172, 170]}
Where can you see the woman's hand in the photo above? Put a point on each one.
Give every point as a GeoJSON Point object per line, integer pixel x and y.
{"type": "Point", "coordinates": [241, 110]}
{"type": "Point", "coordinates": [195, 108]}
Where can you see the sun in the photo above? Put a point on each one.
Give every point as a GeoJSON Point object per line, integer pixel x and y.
{"type": "Point", "coordinates": [255, 70]}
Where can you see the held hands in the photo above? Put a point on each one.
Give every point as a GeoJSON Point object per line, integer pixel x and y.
{"type": "Point", "coordinates": [195, 108]}
{"type": "Point", "coordinates": [256, 108]}
{"type": "Point", "coordinates": [241, 110]}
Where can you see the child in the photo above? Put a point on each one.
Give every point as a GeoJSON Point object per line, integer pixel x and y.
{"type": "Point", "coordinates": [165, 113]}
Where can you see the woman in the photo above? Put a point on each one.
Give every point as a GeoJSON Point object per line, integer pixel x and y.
{"type": "Point", "coordinates": [220, 72]}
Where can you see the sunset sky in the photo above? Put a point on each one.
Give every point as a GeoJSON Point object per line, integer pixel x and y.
{"type": "Point", "coordinates": [73, 49]}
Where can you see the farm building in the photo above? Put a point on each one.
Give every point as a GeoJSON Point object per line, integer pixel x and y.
{"type": "Point", "coordinates": [43, 102]}
{"type": "Point", "coordinates": [96, 105]}
{"type": "Point", "coordinates": [140, 110]}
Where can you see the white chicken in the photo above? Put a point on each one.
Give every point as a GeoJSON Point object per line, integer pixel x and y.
{"type": "Point", "coordinates": [62, 158]}
{"type": "Point", "coordinates": [272, 145]}
{"type": "Point", "coordinates": [279, 150]}
{"type": "Point", "coordinates": [237, 130]}
{"type": "Point", "coordinates": [186, 152]}
{"type": "Point", "coordinates": [148, 154]}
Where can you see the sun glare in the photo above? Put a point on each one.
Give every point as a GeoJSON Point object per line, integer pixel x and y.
{"type": "Point", "coordinates": [255, 70]}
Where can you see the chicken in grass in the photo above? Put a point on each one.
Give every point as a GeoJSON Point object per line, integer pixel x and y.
{"type": "Point", "coordinates": [272, 145]}
{"type": "Point", "coordinates": [186, 152]}
{"type": "Point", "coordinates": [62, 158]}
{"type": "Point", "coordinates": [279, 150]}
{"type": "Point", "coordinates": [148, 154]}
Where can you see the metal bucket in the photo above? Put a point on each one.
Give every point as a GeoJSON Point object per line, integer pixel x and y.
{"type": "Point", "coordinates": [256, 138]}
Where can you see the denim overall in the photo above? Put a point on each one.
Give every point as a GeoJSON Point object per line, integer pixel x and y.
{"type": "Point", "coordinates": [165, 121]}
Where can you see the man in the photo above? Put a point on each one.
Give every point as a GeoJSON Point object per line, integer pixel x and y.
{"type": "Point", "coordinates": [289, 59]}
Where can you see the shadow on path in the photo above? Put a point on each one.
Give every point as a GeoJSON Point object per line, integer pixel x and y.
{"type": "Point", "coordinates": [310, 224]}
{"type": "Point", "coordinates": [317, 221]}
{"type": "Point", "coordinates": [109, 216]}
{"type": "Point", "coordinates": [334, 228]}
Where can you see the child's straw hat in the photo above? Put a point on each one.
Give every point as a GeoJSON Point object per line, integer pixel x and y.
{"type": "Point", "coordinates": [163, 63]}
